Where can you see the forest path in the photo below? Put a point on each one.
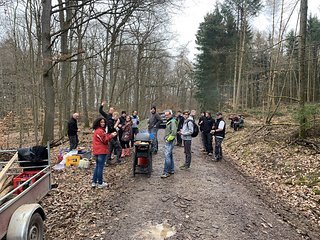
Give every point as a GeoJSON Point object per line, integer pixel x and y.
{"type": "Point", "coordinates": [212, 200]}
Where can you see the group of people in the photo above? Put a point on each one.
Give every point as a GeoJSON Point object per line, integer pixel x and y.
{"type": "Point", "coordinates": [115, 133]}
{"type": "Point", "coordinates": [210, 128]}
{"type": "Point", "coordinates": [181, 129]}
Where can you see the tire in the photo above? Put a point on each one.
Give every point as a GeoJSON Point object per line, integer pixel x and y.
{"type": "Point", "coordinates": [35, 228]}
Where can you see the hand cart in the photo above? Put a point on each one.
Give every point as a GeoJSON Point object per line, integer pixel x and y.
{"type": "Point", "coordinates": [142, 157]}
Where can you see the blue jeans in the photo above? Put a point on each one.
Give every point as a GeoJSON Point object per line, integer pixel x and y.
{"type": "Point", "coordinates": [168, 157]}
{"type": "Point", "coordinates": [98, 171]}
{"type": "Point", "coordinates": [154, 131]}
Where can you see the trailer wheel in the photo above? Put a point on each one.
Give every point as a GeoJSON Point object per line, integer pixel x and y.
{"type": "Point", "coordinates": [35, 228]}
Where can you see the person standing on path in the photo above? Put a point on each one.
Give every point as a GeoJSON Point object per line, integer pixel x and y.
{"type": "Point", "coordinates": [219, 134]}
{"type": "Point", "coordinates": [207, 126]}
{"type": "Point", "coordinates": [135, 126]}
{"type": "Point", "coordinates": [170, 135]}
{"type": "Point", "coordinates": [187, 130]}
{"type": "Point", "coordinates": [73, 131]}
{"type": "Point", "coordinates": [180, 120]}
{"type": "Point", "coordinates": [100, 149]}
{"type": "Point", "coordinates": [153, 126]}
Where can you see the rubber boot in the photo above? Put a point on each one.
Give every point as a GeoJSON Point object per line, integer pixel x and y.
{"type": "Point", "coordinates": [127, 152]}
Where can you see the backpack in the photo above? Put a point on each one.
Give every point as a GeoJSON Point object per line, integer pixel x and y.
{"type": "Point", "coordinates": [195, 128]}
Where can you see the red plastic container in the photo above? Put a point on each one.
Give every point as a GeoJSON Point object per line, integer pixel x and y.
{"type": "Point", "coordinates": [142, 161]}
{"type": "Point", "coordinates": [23, 177]}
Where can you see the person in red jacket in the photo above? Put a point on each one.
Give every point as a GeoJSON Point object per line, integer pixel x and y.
{"type": "Point", "coordinates": [100, 149]}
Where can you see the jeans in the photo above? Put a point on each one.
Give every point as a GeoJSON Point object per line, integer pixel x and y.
{"type": "Point", "coordinates": [168, 157]}
{"type": "Point", "coordinates": [73, 140]}
{"type": "Point", "coordinates": [218, 148]}
{"type": "Point", "coordinates": [187, 152]}
{"type": "Point", "coordinates": [207, 141]}
{"type": "Point", "coordinates": [98, 171]}
{"type": "Point", "coordinates": [154, 131]}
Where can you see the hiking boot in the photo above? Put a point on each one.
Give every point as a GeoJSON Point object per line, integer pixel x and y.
{"type": "Point", "coordinates": [102, 185]}
{"type": "Point", "coordinates": [184, 167]}
{"type": "Point", "coordinates": [165, 175]}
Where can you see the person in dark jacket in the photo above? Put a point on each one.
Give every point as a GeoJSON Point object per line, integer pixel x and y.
{"type": "Point", "coordinates": [207, 126]}
{"type": "Point", "coordinates": [180, 120]}
{"type": "Point", "coordinates": [200, 123]}
{"type": "Point", "coordinates": [103, 113]}
{"type": "Point", "coordinates": [73, 131]}
{"type": "Point", "coordinates": [219, 133]}
{"type": "Point", "coordinates": [153, 126]}
{"type": "Point", "coordinates": [112, 126]}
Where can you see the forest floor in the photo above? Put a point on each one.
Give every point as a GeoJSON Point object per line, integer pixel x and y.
{"type": "Point", "coordinates": [266, 187]}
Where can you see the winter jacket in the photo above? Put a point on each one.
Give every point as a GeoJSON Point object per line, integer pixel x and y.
{"type": "Point", "coordinates": [135, 121]}
{"type": "Point", "coordinates": [171, 130]}
{"type": "Point", "coordinates": [72, 127]}
{"type": "Point", "coordinates": [100, 140]}
{"type": "Point", "coordinates": [154, 121]}
{"type": "Point", "coordinates": [180, 120]}
{"type": "Point", "coordinates": [207, 124]}
{"type": "Point", "coordinates": [187, 129]}
{"type": "Point", "coordinates": [220, 124]}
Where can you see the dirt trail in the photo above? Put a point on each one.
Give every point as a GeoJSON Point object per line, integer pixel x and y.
{"type": "Point", "coordinates": [209, 201]}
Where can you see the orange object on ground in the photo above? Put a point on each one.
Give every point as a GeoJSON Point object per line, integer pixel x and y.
{"type": "Point", "coordinates": [72, 160]}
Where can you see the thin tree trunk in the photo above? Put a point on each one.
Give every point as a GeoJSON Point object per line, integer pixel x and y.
{"type": "Point", "coordinates": [302, 67]}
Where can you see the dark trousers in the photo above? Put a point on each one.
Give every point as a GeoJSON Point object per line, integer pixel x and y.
{"type": "Point", "coordinates": [125, 144]}
{"type": "Point", "coordinates": [187, 152]}
{"type": "Point", "coordinates": [207, 142]}
{"type": "Point", "coordinates": [179, 140]}
{"type": "Point", "coordinates": [74, 141]}
{"type": "Point", "coordinates": [134, 133]}
{"type": "Point", "coordinates": [114, 145]}
{"type": "Point", "coordinates": [218, 148]}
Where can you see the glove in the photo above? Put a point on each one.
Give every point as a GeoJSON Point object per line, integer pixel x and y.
{"type": "Point", "coordinates": [170, 138]}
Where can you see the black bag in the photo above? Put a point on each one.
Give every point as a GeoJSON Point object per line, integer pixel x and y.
{"type": "Point", "coordinates": [35, 158]}
{"type": "Point", "coordinates": [195, 128]}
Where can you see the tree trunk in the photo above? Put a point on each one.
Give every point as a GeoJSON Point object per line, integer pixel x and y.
{"type": "Point", "coordinates": [48, 133]}
{"type": "Point", "coordinates": [302, 66]}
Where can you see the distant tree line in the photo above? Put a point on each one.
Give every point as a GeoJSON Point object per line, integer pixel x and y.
{"type": "Point", "coordinates": [240, 69]}
{"type": "Point", "coordinates": [59, 57]}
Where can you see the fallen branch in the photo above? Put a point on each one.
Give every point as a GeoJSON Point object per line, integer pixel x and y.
{"type": "Point", "coordinates": [308, 144]}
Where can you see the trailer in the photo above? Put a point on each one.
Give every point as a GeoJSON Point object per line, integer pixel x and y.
{"type": "Point", "coordinates": [20, 212]}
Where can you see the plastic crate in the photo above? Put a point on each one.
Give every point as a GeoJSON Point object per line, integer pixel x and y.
{"type": "Point", "coordinates": [72, 160]}
{"type": "Point", "coordinates": [23, 177]}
